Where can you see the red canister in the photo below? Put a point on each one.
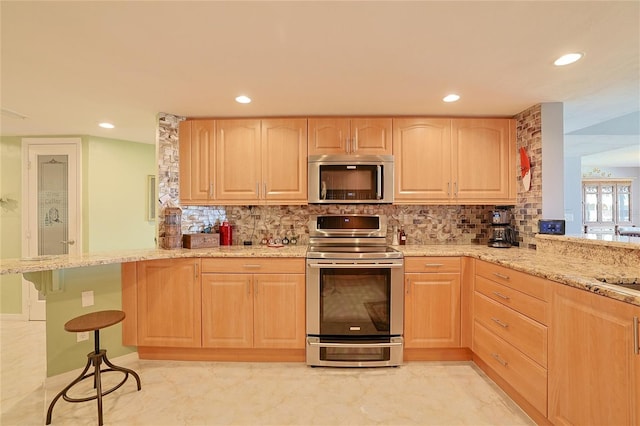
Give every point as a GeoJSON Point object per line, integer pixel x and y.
{"type": "Point", "coordinates": [225, 234]}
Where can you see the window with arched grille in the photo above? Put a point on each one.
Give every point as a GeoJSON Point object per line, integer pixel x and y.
{"type": "Point", "coordinates": [606, 202]}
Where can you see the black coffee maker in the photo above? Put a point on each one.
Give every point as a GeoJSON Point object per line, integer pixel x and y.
{"type": "Point", "coordinates": [502, 235]}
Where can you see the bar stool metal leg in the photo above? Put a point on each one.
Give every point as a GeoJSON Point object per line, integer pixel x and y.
{"type": "Point", "coordinates": [95, 358]}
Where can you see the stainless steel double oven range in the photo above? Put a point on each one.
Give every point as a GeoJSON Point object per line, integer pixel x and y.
{"type": "Point", "coordinates": [354, 293]}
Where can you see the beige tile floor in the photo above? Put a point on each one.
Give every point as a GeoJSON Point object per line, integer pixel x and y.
{"type": "Point", "coordinates": [211, 393]}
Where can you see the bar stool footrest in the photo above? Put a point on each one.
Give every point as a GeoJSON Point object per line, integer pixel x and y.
{"type": "Point", "coordinates": [94, 359]}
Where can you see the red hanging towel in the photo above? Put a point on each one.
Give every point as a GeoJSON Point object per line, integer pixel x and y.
{"type": "Point", "coordinates": [525, 169]}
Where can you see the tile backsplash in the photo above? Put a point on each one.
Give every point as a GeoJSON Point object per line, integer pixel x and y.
{"type": "Point", "coordinates": [422, 224]}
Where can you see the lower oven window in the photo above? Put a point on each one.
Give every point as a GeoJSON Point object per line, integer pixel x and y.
{"type": "Point", "coordinates": [355, 354]}
{"type": "Point", "coordinates": [355, 302]}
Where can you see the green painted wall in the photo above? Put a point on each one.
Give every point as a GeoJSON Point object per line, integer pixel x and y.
{"type": "Point", "coordinates": [114, 214]}
{"type": "Point", "coordinates": [115, 195]}
{"type": "Point", "coordinates": [10, 222]}
{"type": "Point", "coordinates": [64, 353]}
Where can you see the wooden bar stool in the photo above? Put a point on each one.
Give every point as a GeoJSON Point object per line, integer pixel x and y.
{"type": "Point", "coordinates": [94, 322]}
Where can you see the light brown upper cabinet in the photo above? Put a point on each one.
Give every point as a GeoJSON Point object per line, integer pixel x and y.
{"type": "Point", "coordinates": [261, 161]}
{"type": "Point", "coordinates": [284, 161]}
{"type": "Point", "coordinates": [355, 136]}
{"type": "Point", "coordinates": [484, 160]}
{"type": "Point", "coordinates": [197, 161]}
{"type": "Point", "coordinates": [451, 161]}
{"type": "Point", "coordinates": [238, 161]}
{"type": "Point", "coordinates": [243, 161]}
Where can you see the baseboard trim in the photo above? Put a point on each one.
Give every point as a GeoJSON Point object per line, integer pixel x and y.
{"type": "Point", "coordinates": [531, 411]}
{"type": "Point", "coordinates": [222, 354]}
{"type": "Point", "coordinates": [14, 317]}
{"type": "Point", "coordinates": [437, 354]}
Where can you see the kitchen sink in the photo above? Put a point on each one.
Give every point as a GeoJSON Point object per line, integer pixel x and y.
{"type": "Point", "coordinates": [632, 283]}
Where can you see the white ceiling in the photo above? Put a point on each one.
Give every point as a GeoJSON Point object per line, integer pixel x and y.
{"type": "Point", "coordinates": [69, 65]}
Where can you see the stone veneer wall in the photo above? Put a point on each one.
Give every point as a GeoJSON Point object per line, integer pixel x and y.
{"type": "Point", "coordinates": [528, 209]}
{"type": "Point", "coordinates": [422, 224]}
{"type": "Point", "coordinates": [168, 165]}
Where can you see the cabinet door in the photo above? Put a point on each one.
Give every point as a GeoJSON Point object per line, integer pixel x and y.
{"type": "Point", "coordinates": [284, 160]}
{"type": "Point", "coordinates": [169, 303]}
{"type": "Point", "coordinates": [197, 160]}
{"type": "Point", "coordinates": [279, 311]}
{"type": "Point", "coordinates": [370, 136]}
{"type": "Point", "coordinates": [238, 167]}
{"type": "Point", "coordinates": [422, 152]}
{"type": "Point", "coordinates": [432, 311]}
{"type": "Point", "coordinates": [328, 136]}
{"type": "Point", "coordinates": [594, 373]}
{"type": "Point", "coordinates": [484, 160]}
{"type": "Point", "coordinates": [227, 311]}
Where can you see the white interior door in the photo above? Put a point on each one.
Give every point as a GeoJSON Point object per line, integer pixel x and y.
{"type": "Point", "coordinates": [51, 208]}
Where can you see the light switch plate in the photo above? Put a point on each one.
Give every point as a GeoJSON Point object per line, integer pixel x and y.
{"type": "Point", "coordinates": [87, 298]}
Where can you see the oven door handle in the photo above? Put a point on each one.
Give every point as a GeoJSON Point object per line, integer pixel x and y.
{"type": "Point", "coordinates": [379, 183]}
{"type": "Point", "coordinates": [353, 345]}
{"type": "Point", "coordinates": [354, 265]}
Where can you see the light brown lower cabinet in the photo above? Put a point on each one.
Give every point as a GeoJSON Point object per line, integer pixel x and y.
{"type": "Point", "coordinates": [197, 308]}
{"type": "Point", "coordinates": [253, 310]}
{"type": "Point", "coordinates": [594, 365]}
{"type": "Point", "coordinates": [566, 356]}
{"type": "Point", "coordinates": [253, 303]}
{"type": "Point", "coordinates": [432, 302]}
{"type": "Point", "coordinates": [168, 303]}
{"type": "Point", "coordinates": [510, 333]}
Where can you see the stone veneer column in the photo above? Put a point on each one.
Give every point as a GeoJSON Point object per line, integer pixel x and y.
{"type": "Point", "coordinates": [528, 209]}
{"type": "Point", "coordinates": [168, 165]}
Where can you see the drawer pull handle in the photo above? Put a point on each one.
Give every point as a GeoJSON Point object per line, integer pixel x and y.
{"type": "Point", "coordinates": [433, 265]}
{"type": "Point", "coordinates": [500, 323]}
{"type": "Point", "coordinates": [636, 344]}
{"type": "Point", "coordinates": [499, 359]}
{"type": "Point", "coordinates": [501, 296]}
{"type": "Point", "coordinates": [252, 266]}
{"type": "Point", "coordinates": [504, 277]}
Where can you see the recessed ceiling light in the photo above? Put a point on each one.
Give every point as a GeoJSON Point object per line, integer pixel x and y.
{"type": "Point", "coordinates": [243, 99]}
{"type": "Point", "coordinates": [567, 59]}
{"type": "Point", "coordinates": [106, 125]}
{"type": "Point", "coordinates": [451, 98]}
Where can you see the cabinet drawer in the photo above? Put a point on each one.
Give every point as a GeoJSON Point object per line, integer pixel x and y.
{"type": "Point", "coordinates": [528, 284]}
{"type": "Point", "coordinates": [523, 303]}
{"type": "Point", "coordinates": [527, 377]}
{"type": "Point", "coordinates": [527, 335]}
{"type": "Point", "coordinates": [432, 264]}
{"type": "Point", "coordinates": [253, 265]}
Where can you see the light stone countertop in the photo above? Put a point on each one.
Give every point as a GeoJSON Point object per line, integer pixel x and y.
{"type": "Point", "coordinates": [64, 261]}
{"type": "Point", "coordinates": [608, 240]}
{"type": "Point", "coordinates": [575, 272]}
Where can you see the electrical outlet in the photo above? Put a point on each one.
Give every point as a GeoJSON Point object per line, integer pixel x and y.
{"type": "Point", "coordinates": [82, 336]}
{"type": "Point", "coordinates": [87, 298]}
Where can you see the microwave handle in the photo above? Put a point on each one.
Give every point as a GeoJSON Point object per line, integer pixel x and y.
{"type": "Point", "coordinates": [379, 180]}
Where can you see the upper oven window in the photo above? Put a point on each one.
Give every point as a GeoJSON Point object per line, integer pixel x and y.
{"type": "Point", "coordinates": [355, 301]}
{"type": "Point", "coordinates": [345, 182]}
{"type": "Point", "coordinates": [348, 222]}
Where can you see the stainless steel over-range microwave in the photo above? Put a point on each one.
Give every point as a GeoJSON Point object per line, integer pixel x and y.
{"type": "Point", "coordinates": [342, 179]}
